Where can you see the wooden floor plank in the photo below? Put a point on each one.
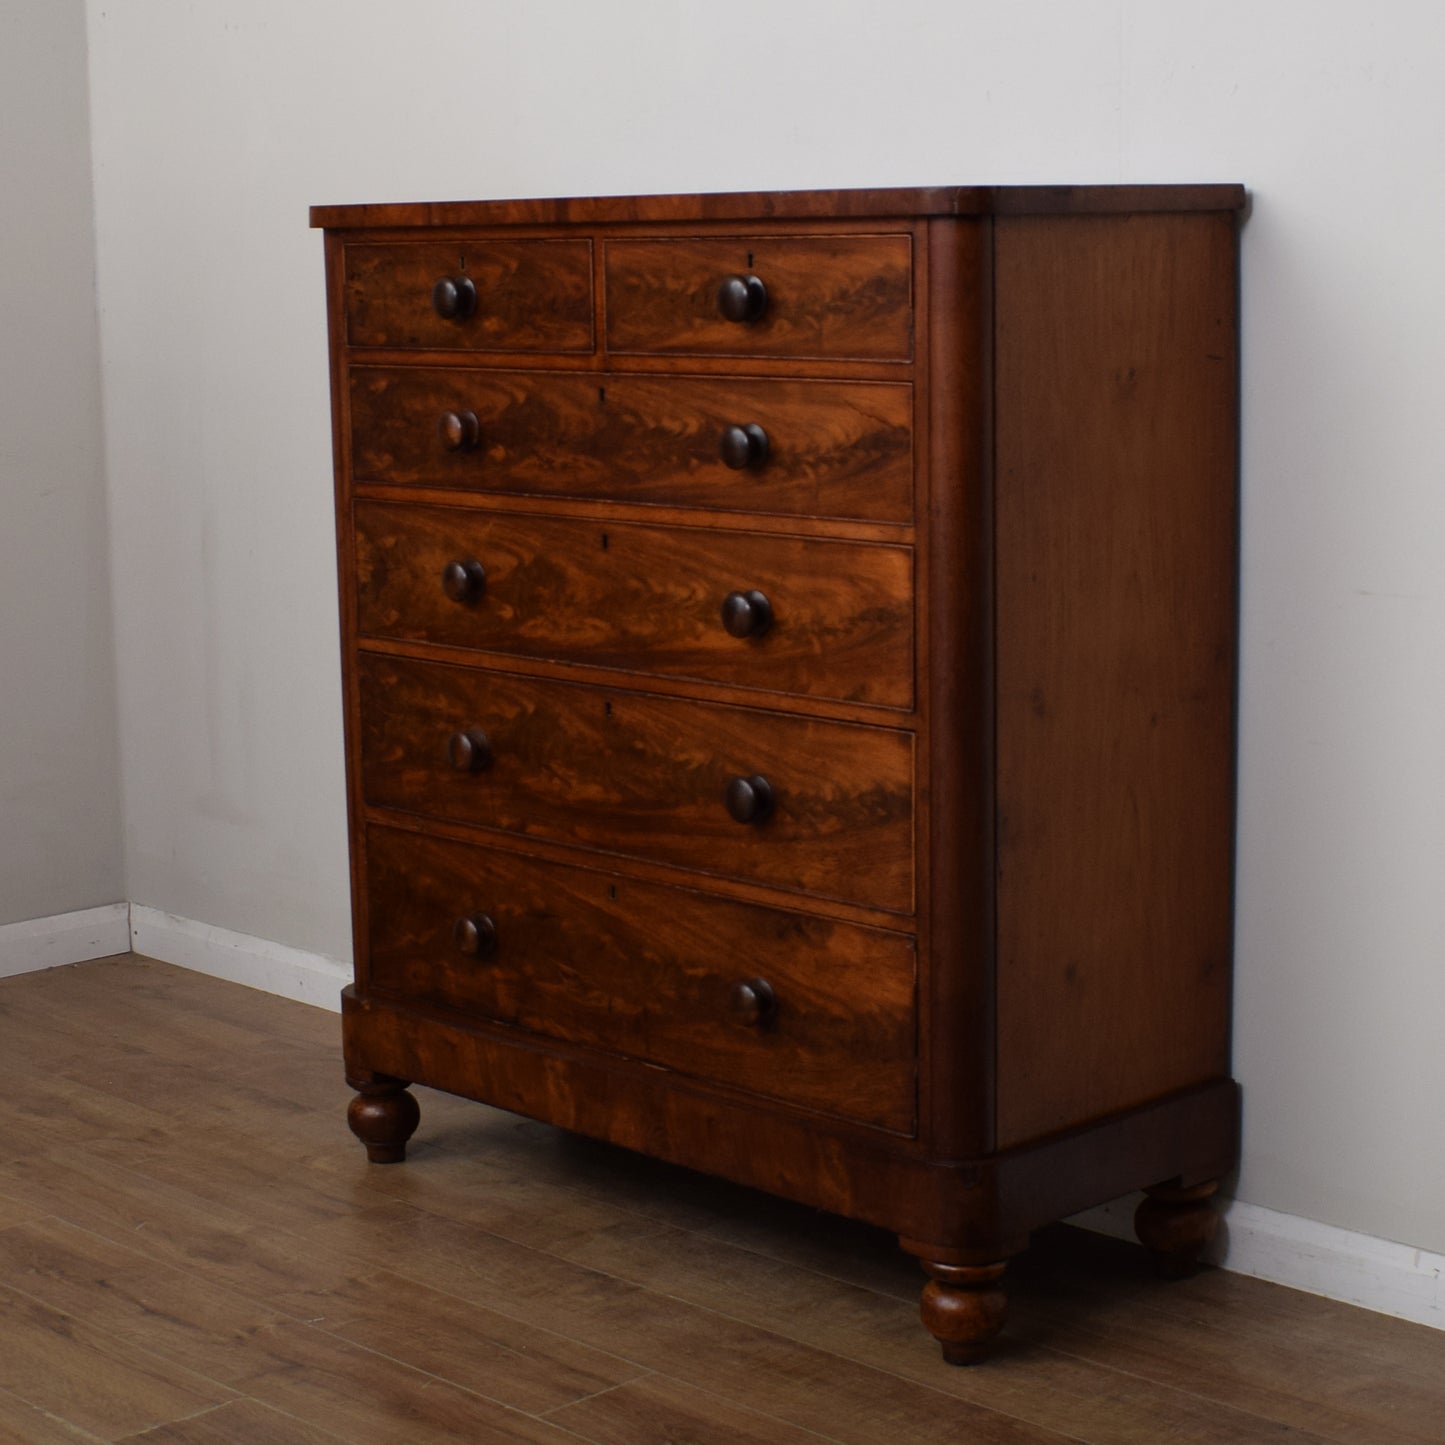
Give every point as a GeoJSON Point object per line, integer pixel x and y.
{"type": "Point", "coordinates": [24, 1424]}
{"type": "Point", "coordinates": [79, 1374]}
{"type": "Point", "coordinates": [754, 1368]}
{"type": "Point", "coordinates": [371, 1399]}
{"type": "Point", "coordinates": [238, 1422]}
{"type": "Point", "coordinates": [470, 1345]}
{"type": "Point", "coordinates": [659, 1411]}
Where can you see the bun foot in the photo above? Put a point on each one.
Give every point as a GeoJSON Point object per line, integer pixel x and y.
{"type": "Point", "coordinates": [383, 1115]}
{"type": "Point", "coordinates": [1177, 1225]}
{"type": "Point", "coordinates": [963, 1308]}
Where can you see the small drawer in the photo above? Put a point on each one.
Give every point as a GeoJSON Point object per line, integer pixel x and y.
{"type": "Point", "coordinates": [806, 1010]}
{"type": "Point", "coordinates": [794, 803]}
{"type": "Point", "coordinates": [821, 297]}
{"type": "Point", "coordinates": [799, 448]}
{"type": "Point", "coordinates": [490, 295]}
{"type": "Point", "coordinates": [816, 617]}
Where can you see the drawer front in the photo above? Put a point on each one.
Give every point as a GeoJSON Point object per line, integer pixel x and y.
{"type": "Point", "coordinates": [645, 599]}
{"type": "Point", "coordinates": [827, 297]}
{"type": "Point", "coordinates": [649, 971]}
{"type": "Point", "coordinates": [525, 295]}
{"type": "Point", "coordinates": [828, 449]}
{"type": "Point", "coordinates": [644, 777]}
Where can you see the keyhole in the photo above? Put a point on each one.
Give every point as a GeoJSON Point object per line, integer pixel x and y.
{"type": "Point", "coordinates": [750, 260]}
{"type": "Point", "coordinates": [462, 263]}
{"type": "Point", "coordinates": [604, 541]}
{"type": "Point", "coordinates": [612, 891]}
{"type": "Point", "coordinates": [607, 708]}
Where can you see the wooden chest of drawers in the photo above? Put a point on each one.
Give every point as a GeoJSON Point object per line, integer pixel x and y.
{"type": "Point", "coordinates": [789, 666]}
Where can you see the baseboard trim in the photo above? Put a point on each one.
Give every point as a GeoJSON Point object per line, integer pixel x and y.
{"type": "Point", "coordinates": [40, 943]}
{"type": "Point", "coordinates": [1357, 1269]}
{"type": "Point", "coordinates": [239, 957]}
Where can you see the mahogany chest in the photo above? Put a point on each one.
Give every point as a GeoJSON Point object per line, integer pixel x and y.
{"type": "Point", "coordinates": [789, 656]}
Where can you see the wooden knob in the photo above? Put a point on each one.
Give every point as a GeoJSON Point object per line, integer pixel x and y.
{"type": "Point", "coordinates": [475, 935]}
{"type": "Point", "coordinates": [747, 614]}
{"type": "Point", "coordinates": [454, 298]}
{"type": "Point", "coordinates": [744, 446]}
{"type": "Point", "coordinates": [754, 1003]}
{"type": "Point", "coordinates": [750, 800]}
{"type": "Point", "coordinates": [460, 431]}
{"type": "Point", "coordinates": [742, 298]}
{"type": "Point", "coordinates": [469, 751]}
{"type": "Point", "coordinates": [464, 581]}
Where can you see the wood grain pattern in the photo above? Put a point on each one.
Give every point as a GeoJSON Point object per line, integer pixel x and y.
{"type": "Point", "coordinates": [539, 1269]}
{"type": "Point", "coordinates": [820, 206]}
{"type": "Point", "coordinates": [644, 776]}
{"type": "Point", "coordinates": [1116, 523]}
{"type": "Point", "coordinates": [840, 449]}
{"type": "Point", "coordinates": [599, 959]}
{"type": "Point", "coordinates": [828, 296]}
{"type": "Point", "coordinates": [533, 295]}
{"type": "Point", "coordinates": [645, 599]}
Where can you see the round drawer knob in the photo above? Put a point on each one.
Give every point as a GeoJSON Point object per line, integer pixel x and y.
{"type": "Point", "coordinates": [469, 751]}
{"type": "Point", "coordinates": [460, 431]}
{"type": "Point", "coordinates": [475, 935]}
{"type": "Point", "coordinates": [747, 614]}
{"type": "Point", "coordinates": [750, 800]}
{"type": "Point", "coordinates": [454, 298]}
{"type": "Point", "coordinates": [754, 1003]}
{"type": "Point", "coordinates": [744, 446]}
{"type": "Point", "coordinates": [742, 298]}
{"type": "Point", "coordinates": [464, 581]}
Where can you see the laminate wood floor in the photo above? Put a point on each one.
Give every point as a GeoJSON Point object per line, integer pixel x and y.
{"type": "Point", "coordinates": [193, 1251]}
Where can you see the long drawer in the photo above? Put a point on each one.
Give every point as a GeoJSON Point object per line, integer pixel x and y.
{"type": "Point", "coordinates": [800, 448]}
{"type": "Point", "coordinates": [828, 619]}
{"type": "Point", "coordinates": [808, 1010]}
{"type": "Point", "coordinates": [824, 297]}
{"type": "Point", "coordinates": [484, 295]}
{"type": "Point", "coordinates": [645, 777]}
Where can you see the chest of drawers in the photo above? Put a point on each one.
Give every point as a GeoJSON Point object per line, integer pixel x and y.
{"type": "Point", "coordinates": [789, 652]}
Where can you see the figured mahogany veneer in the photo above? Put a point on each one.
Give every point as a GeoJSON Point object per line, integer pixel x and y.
{"type": "Point", "coordinates": [844, 297]}
{"type": "Point", "coordinates": [833, 449]}
{"type": "Point", "coordinates": [645, 599]}
{"type": "Point", "coordinates": [789, 650]}
{"type": "Point", "coordinates": [520, 296]}
{"type": "Point", "coordinates": [649, 972]}
{"type": "Point", "coordinates": [645, 776]}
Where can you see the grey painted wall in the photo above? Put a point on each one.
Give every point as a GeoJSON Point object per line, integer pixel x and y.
{"type": "Point", "coordinates": [215, 126]}
{"type": "Point", "coordinates": [60, 832]}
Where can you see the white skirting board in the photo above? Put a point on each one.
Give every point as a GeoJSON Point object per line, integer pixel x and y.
{"type": "Point", "coordinates": [1358, 1269]}
{"type": "Point", "coordinates": [65, 938]}
{"type": "Point", "coordinates": [256, 962]}
{"type": "Point", "coordinates": [1376, 1274]}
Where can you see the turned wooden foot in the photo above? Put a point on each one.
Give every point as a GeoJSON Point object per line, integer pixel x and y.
{"type": "Point", "coordinates": [963, 1308]}
{"type": "Point", "coordinates": [383, 1115]}
{"type": "Point", "coordinates": [1176, 1225]}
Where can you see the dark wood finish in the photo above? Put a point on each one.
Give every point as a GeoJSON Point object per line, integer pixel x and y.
{"type": "Point", "coordinates": [1177, 1224]}
{"type": "Point", "coordinates": [747, 206]}
{"type": "Point", "coordinates": [1115, 522]}
{"type": "Point", "coordinates": [383, 1115]}
{"type": "Point", "coordinates": [643, 776]}
{"type": "Point", "coordinates": [826, 296]}
{"type": "Point", "coordinates": [793, 739]}
{"type": "Point", "coordinates": [831, 449]}
{"type": "Point", "coordinates": [652, 973]}
{"type": "Point", "coordinates": [472, 295]}
{"type": "Point", "coordinates": [963, 1307]}
{"type": "Point", "coordinates": [645, 599]}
